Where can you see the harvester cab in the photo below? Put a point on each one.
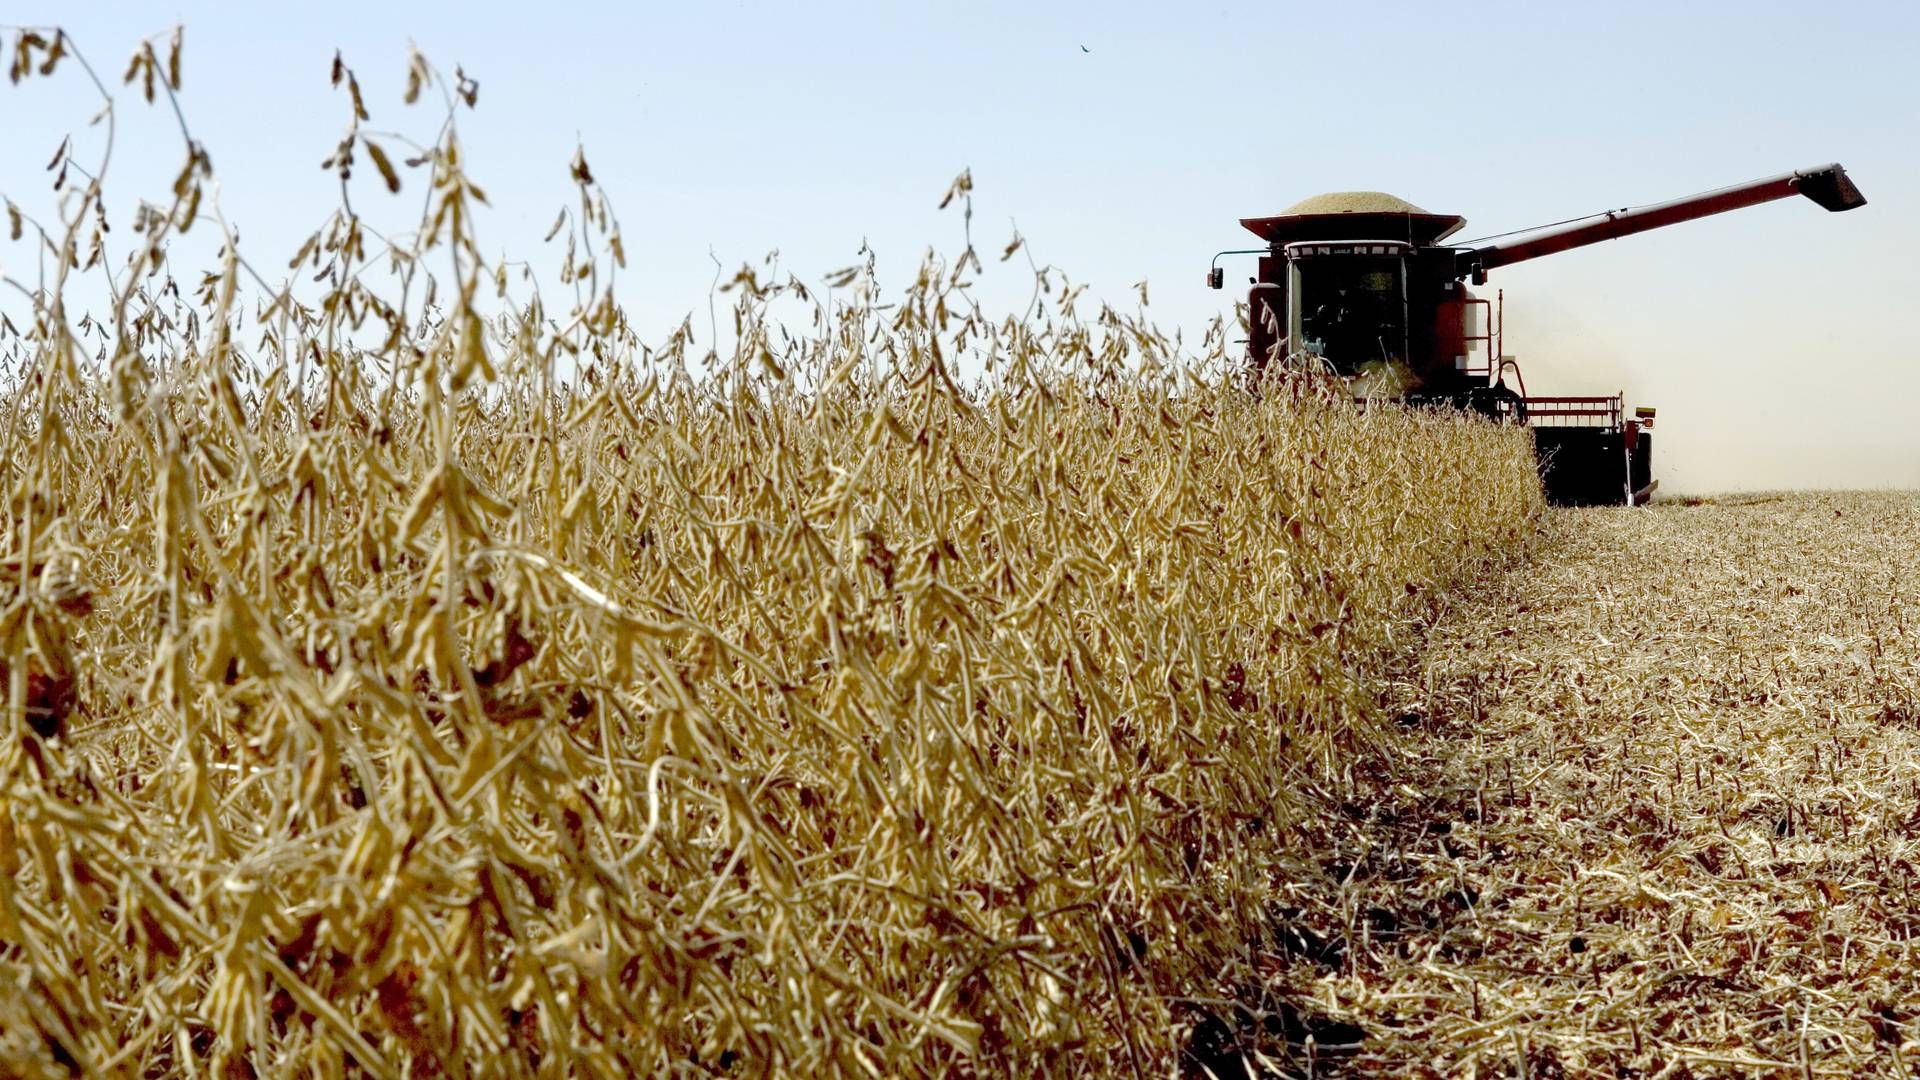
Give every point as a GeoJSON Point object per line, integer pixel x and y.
{"type": "Point", "coordinates": [1364, 284]}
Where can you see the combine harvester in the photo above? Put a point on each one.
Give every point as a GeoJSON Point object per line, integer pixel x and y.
{"type": "Point", "coordinates": [1363, 282]}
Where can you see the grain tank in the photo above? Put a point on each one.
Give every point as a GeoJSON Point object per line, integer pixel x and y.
{"type": "Point", "coordinates": [1367, 284]}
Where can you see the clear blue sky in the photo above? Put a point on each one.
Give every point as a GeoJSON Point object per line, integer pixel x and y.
{"type": "Point", "coordinates": [1778, 342]}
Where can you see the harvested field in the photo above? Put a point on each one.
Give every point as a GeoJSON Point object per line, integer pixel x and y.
{"type": "Point", "coordinates": [1664, 821]}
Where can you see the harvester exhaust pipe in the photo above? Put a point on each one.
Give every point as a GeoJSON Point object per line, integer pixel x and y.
{"type": "Point", "coordinates": [1827, 185]}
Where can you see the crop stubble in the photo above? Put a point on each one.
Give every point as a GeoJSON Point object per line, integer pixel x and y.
{"type": "Point", "coordinates": [1667, 822]}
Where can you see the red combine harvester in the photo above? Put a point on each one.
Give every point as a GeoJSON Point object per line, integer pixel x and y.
{"type": "Point", "coordinates": [1364, 283]}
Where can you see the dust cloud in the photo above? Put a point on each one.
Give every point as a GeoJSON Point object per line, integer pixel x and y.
{"type": "Point", "coordinates": [1766, 394]}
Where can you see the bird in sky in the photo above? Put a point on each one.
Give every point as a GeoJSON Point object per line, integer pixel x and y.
{"type": "Point", "coordinates": [1084, 49]}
